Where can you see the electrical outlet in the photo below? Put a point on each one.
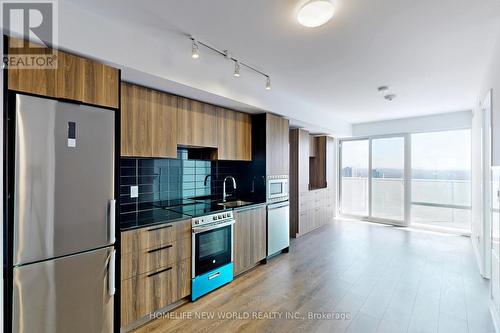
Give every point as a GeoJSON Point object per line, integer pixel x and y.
{"type": "Point", "coordinates": [134, 191]}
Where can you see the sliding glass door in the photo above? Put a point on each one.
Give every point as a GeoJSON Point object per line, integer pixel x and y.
{"type": "Point", "coordinates": [354, 177]}
{"type": "Point", "coordinates": [388, 179]}
{"type": "Point", "coordinates": [373, 174]}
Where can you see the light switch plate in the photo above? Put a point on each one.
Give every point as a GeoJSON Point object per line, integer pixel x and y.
{"type": "Point", "coordinates": [134, 191]}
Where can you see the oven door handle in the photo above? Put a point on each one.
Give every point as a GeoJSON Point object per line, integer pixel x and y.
{"type": "Point", "coordinates": [198, 230]}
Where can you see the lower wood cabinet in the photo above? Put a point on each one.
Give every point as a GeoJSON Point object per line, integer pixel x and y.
{"type": "Point", "coordinates": [145, 293]}
{"type": "Point", "coordinates": [154, 236]}
{"type": "Point", "coordinates": [155, 268]}
{"type": "Point", "coordinates": [142, 261]}
{"type": "Point", "coordinates": [249, 239]}
{"type": "Point", "coordinates": [316, 208]}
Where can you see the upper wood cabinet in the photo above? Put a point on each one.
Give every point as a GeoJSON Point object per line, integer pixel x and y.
{"type": "Point", "coordinates": [75, 78]}
{"type": "Point", "coordinates": [234, 135]}
{"type": "Point", "coordinates": [318, 164]}
{"type": "Point", "coordinates": [100, 84]}
{"type": "Point", "coordinates": [34, 81]}
{"type": "Point", "coordinates": [164, 129]}
{"type": "Point", "coordinates": [277, 145]}
{"type": "Point", "coordinates": [148, 122]}
{"type": "Point", "coordinates": [197, 123]}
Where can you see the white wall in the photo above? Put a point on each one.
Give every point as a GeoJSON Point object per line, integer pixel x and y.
{"type": "Point", "coordinates": [477, 188]}
{"type": "Point", "coordinates": [439, 122]}
{"type": "Point", "coordinates": [492, 81]}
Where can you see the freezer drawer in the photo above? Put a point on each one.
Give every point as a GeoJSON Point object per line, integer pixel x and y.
{"type": "Point", "coordinates": [69, 294]}
{"type": "Point", "coordinates": [64, 178]}
{"type": "Point", "coordinates": [278, 227]}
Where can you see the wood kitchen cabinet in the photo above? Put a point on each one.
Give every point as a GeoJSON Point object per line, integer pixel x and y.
{"type": "Point", "coordinates": [100, 84]}
{"type": "Point", "coordinates": [155, 269]}
{"type": "Point", "coordinates": [148, 122]}
{"type": "Point", "coordinates": [234, 135]}
{"type": "Point", "coordinates": [312, 182]}
{"type": "Point", "coordinates": [249, 238]}
{"type": "Point", "coordinates": [197, 123]}
{"type": "Point", "coordinates": [318, 163]}
{"type": "Point", "coordinates": [277, 145]}
{"type": "Point", "coordinates": [34, 81]}
{"type": "Point", "coordinates": [164, 119]}
{"type": "Point", "coordinates": [75, 78]}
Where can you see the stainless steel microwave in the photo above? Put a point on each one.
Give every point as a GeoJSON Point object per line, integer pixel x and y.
{"type": "Point", "coordinates": [277, 188]}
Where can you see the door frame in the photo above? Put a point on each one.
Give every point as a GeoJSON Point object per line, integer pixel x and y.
{"type": "Point", "coordinates": [487, 177]}
{"type": "Point", "coordinates": [406, 180]}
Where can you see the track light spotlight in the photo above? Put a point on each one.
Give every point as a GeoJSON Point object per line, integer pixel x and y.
{"type": "Point", "coordinates": [237, 68]}
{"type": "Point", "coordinates": [195, 53]}
{"type": "Point", "coordinates": [268, 83]}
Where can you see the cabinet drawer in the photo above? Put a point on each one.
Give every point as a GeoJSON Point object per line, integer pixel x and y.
{"type": "Point", "coordinates": [152, 291]}
{"type": "Point", "coordinates": [155, 236]}
{"type": "Point", "coordinates": [138, 262]}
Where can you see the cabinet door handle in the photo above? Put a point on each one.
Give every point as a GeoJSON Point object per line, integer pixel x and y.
{"type": "Point", "coordinates": [159, 228]}
{"type": "Point", "coordinates": [159, 272]}
{"type": "Point", "coordinates": [160, 248]}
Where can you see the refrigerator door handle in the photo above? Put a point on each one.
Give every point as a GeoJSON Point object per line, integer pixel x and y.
{"type": "Point", "coordinates": [112, 219]}
{"type": "Point", "coordinates": [111, 273]}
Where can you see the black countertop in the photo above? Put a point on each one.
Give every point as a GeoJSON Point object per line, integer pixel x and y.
{"type": "Point", "coordinates": [149, 218]}
{"type": "Point", "coordinates": [182, 209]}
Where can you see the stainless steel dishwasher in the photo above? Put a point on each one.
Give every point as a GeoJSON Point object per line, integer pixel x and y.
{"type": "Point", "coordinates": [278, 227]}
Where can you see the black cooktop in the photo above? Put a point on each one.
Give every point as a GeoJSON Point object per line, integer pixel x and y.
{"type": "Point", "coordinates": [196, 209]}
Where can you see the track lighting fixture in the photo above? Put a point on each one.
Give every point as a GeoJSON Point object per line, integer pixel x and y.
{"type": "Point", "coordinates": [237, 68]}
{"type": "Point", "coordinates": [383, 89]}
{"type": "Point", "coordinates": [195, 53]}
{"type": "Point", "coordinates": [390, 97]}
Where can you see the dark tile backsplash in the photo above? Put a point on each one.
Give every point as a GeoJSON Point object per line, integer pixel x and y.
{"type": "Point", "coordinates": [163, 182]}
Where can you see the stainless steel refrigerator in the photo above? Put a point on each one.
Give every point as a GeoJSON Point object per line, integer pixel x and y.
{"type": "Point", "coordinates": [64, 217]}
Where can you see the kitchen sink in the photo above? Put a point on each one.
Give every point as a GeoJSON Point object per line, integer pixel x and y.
{"type": "Point", "coordinates": [235, 203]}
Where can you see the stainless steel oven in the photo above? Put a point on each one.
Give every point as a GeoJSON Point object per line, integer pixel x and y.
{"type": "Point", "coordinates": [277, 188]}
{"type": "Point", "coordinates": [212, 242]}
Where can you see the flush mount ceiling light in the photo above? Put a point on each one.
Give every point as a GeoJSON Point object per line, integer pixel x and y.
{"type": "Point", "coordinates": [315, 13]}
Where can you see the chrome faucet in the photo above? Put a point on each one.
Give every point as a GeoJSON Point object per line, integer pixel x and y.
{"type": "Point", "coordinates": [206, 180]}
{"type": "Point", "coordinates": [224, 195]}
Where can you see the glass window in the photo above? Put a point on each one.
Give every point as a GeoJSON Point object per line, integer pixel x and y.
{"type": "Point", "coordinates": [441, 172]}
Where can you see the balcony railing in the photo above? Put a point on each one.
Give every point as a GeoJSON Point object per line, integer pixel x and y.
{"type": "Point", "coordinates": [434, 201]}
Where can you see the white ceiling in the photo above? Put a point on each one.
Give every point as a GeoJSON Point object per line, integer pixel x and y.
{"type": "Point", "coordinates": [433, 53]}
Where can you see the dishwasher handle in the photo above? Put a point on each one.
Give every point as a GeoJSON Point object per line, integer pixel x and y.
{"type": "Point", "coordinates": [278, 205]}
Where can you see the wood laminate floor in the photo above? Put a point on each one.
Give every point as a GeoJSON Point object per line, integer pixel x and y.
{"type": "Point", "coordinates": [387, 279]}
